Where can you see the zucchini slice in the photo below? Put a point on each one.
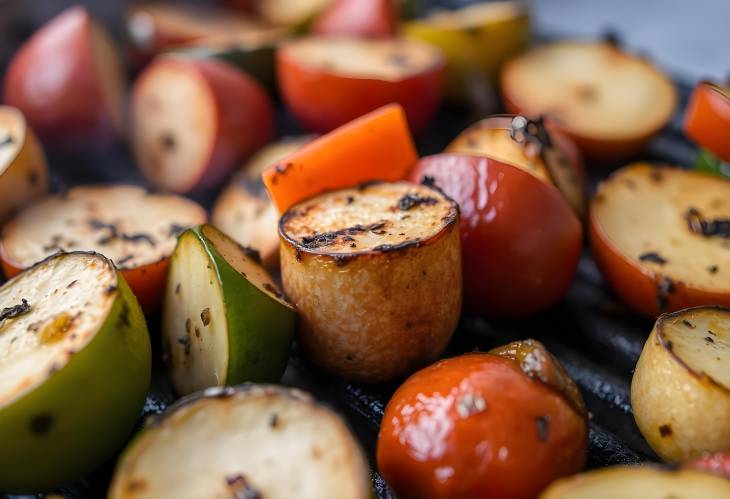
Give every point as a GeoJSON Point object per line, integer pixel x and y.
{"type": "Point", "coordinates": [680, 392]}
{"type": "Point", "coordinates": [75, 367]}
{"type": "Point", "coordinates": [244, 442]}
{"type": "Point", "coordinates": [375, 273]}
{"type": "Point", "coordinates": [224, 320]}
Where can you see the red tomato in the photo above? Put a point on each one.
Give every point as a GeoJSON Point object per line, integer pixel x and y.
{"type": "Point", "coordinates": [718, 462]}
{"type": "Point", "coordinates": [364, 18]}
{"type": "Point", "coordinates": [478, 426]}
{"type": "Point", "coordinates": [520, 239]}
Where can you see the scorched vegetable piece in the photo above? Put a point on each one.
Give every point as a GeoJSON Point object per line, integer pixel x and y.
{"type": "Point", "coordinates": [194, 120]}
{"type": "Point", "coordinates": [361, 18]}
{"type": "Point", "coordinates": [23, 170]}
{"type": "Point", "coordinates": [707, 120]}
{"type": "Point", "coordinates": [609, 102]}
{"type": "Point", "coordinates": [68, 80]}
{"type": "Point", "coordinates": [531, 146]}
{"type": "Point", "coordinates": [224, 320]}
{"type": "Point", "coordinates": [74, 370]}
{"type": "Point", "coordinates": [377, 146]}
{"type": "Point", "coordinates": [680, 393]}
{"type": "Point", "coordinates": [244, 210]}
{"type": "Point", "coordinates": [520, 239]}
{"type": "Point", "coordinates": [375, 273]}
{"type": "Point", "coordinates": [245, 442]}
{"type": "Point", "coordinates": [639, 482]}
{"type": "Point", "coordinates": [134, 228]}
{"type": "Point", "coordinates": [661, 237]}
{"type": "Point", "coordinates": [327, 82]}
{"type": "Point", "coordinates": [477, 40]}
{"type": "Point", "coordinates": [503, 424]}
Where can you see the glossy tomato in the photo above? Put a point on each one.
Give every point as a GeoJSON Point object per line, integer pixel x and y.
{"type": "Point", "coordinates": [520, 239]}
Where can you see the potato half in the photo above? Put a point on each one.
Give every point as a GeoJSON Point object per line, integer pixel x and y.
{"type": "Point", "coordinates": [639, 482]}
{"type": "Point", "coordinates": [248, 442]}
{"type": "Point", "coordinates": [680, 392]}
{"type": "Point", "coordinates": [74, 370]}
{"type": "Point", "coordinates": [23, 170]}
{"type": "Point", "coordinates": [661, 237]}
{"type": "Point", "coordinates": [375, 273]}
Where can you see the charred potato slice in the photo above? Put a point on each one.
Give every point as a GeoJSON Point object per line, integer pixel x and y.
{"type": "Point", "coordinates": [245, 442]}
{"type": "Point", "coordinates": [681, 387]}
{"type": "Point", "coordinates": [375, 273]}
{"type": "Point", "coordinates": [23, 170]}
{"type": "Point", "coordinates": [661, 237]}
{"type": "Point", "coordinates": [639, 482]}
{"type": "Point", "coordinates": [74, 370]}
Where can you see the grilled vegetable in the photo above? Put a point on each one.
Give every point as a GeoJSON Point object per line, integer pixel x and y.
{"type": "Point", "coordinates": [609, 102]}
{"type": "Point", "coordinates": [681, 387]}
{"type": "Point", "coordinates": [503, 424]}
{"type": "Point", "coordinates": [361, 18]}
{"type": "Point", "coordinates": [464, 35]}
{"type": "Point", "coordinates": [639, 482]}
{"type": "Point", "coordinates": [135, 229]}
{"type": "Point", "coordinates": [23, 170]}
{"type": "Point", "coordinates": [244, 442]}
{"type": "Point", "coordinates": [377, 146]}
{"type": "Point", "coordinates": [194, 120]}
{"type": "Point", "coordinates": [244, 210]}
{"type": "Point", "coordinates": [717, 462]}
{"type": "Point", "coordinates": [520, 239]}
{"type": "Point", "coordinates": [375, 273]}
{"type": "Point", "coordinates": [529, 145]}
{"type": "Point", "coordinates": [327, 82]}
{"type": "Point", "coordinates": [74, 370]}
{"type": "Point", "coordinates": [707, 119]}
{"type": "Point", "coordinates": [68, 80]}
{"type": "Point", "coordinates": [708, 162]}
{"type": "Point", "coordinates": [660, 237]}
{"type": "Point", "coordinates": [224, 319]}
{"type": "Point", "coordinates": [290, 13]}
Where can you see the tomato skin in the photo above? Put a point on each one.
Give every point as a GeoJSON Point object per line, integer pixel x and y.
{"type": "Point", "coordinates": [427, 449]}
{"type": "Point", "coordinates": [707, 120]}
{"type": "Point", "coordinates": [717, 462]}
{"type": "Point", "coordinates": [521, 241]}
{"type": "Point", "coordinates": [363, 18]}
{"type": "Point", "coordinates": [322, 101]}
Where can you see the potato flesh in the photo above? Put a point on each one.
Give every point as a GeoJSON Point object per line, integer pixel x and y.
{"type": "Point", "coordinates": [369, 217]}
{"type": "Point", "coordinates": [69, 298]}
{"type": "Point", "coordinates": [475, 15]}
{"type": "Point", "coordinates": [639, 483]}
{"type": "Point", "coordinates": [76, 222]}
{"type": "Point", "coordinates": [701, 339]}
{"type": "Point", "coordinates": [279, 445]}
{"type": "Point", "coordinates": [389, 60]}
{"type": "Point", "coordinates": [188, 22]}
{"type": "Point", "coordinates": [594, 89]}
{"type": "Point", "coordinates": [642, 210]}
{"type": "Point", "coordinates": [173, 125]}
{"type": "Point", "coordinates": [198, 352]}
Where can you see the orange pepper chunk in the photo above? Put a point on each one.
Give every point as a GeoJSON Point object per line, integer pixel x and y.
{"type": "Point", "coordinates": [375, 146]}
{"type": "Point", "coordinates": [707, 120]}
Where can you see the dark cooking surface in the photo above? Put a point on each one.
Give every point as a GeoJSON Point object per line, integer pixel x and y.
{"type": "Point", "coordinates": [590, 331]}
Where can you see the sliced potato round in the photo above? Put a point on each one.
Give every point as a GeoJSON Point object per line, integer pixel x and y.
{"type": "Point", "coordinates": [608, 101]}
{"type": "Point", "coordinates": [639, 482]}
{"type": "Point", "coordinates": [680, 392]}
{"type": "Point", "coordinates": [244, 210]}
{"type": "Point", "coordinates": [23, 170]}
{"type": "Point", "coordinates": [375, 273]}
{"type": "Point", "coordinates": [244, 442]}
{"type": "Point", "coordinates": [661, 237]}
{"type": "Point", "coordinates": [224, 319]}
{"type": "Point", "coordinates": [74, 370]}
{"type": "Point", "coordinates": [292, 13]}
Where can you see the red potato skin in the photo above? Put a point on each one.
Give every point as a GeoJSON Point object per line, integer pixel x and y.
{"type": "Point", "coordinates": [637, 285]}
{"type": "Point", "coordinates": [520, 240]}
{"type": "Point", "coordinates": [718, 462]}
{"type": "Point", "coordinates": [147, 282]}
{"type": "Point", "coordinates": [245, 116]}
{"type": "Point", "coordinates": [54, 81]}
{"type": "Point", "coordinates": [361, 18]}
{"type": "Point", "coordinates": [426, 449]}
{"type": "Point", "coordinates": [323, 101]}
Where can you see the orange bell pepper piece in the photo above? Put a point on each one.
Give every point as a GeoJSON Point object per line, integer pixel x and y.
{"type": "Point", "coordinates": [376, 146]}
{"type": "Point", "coordinates": [707, 120]}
